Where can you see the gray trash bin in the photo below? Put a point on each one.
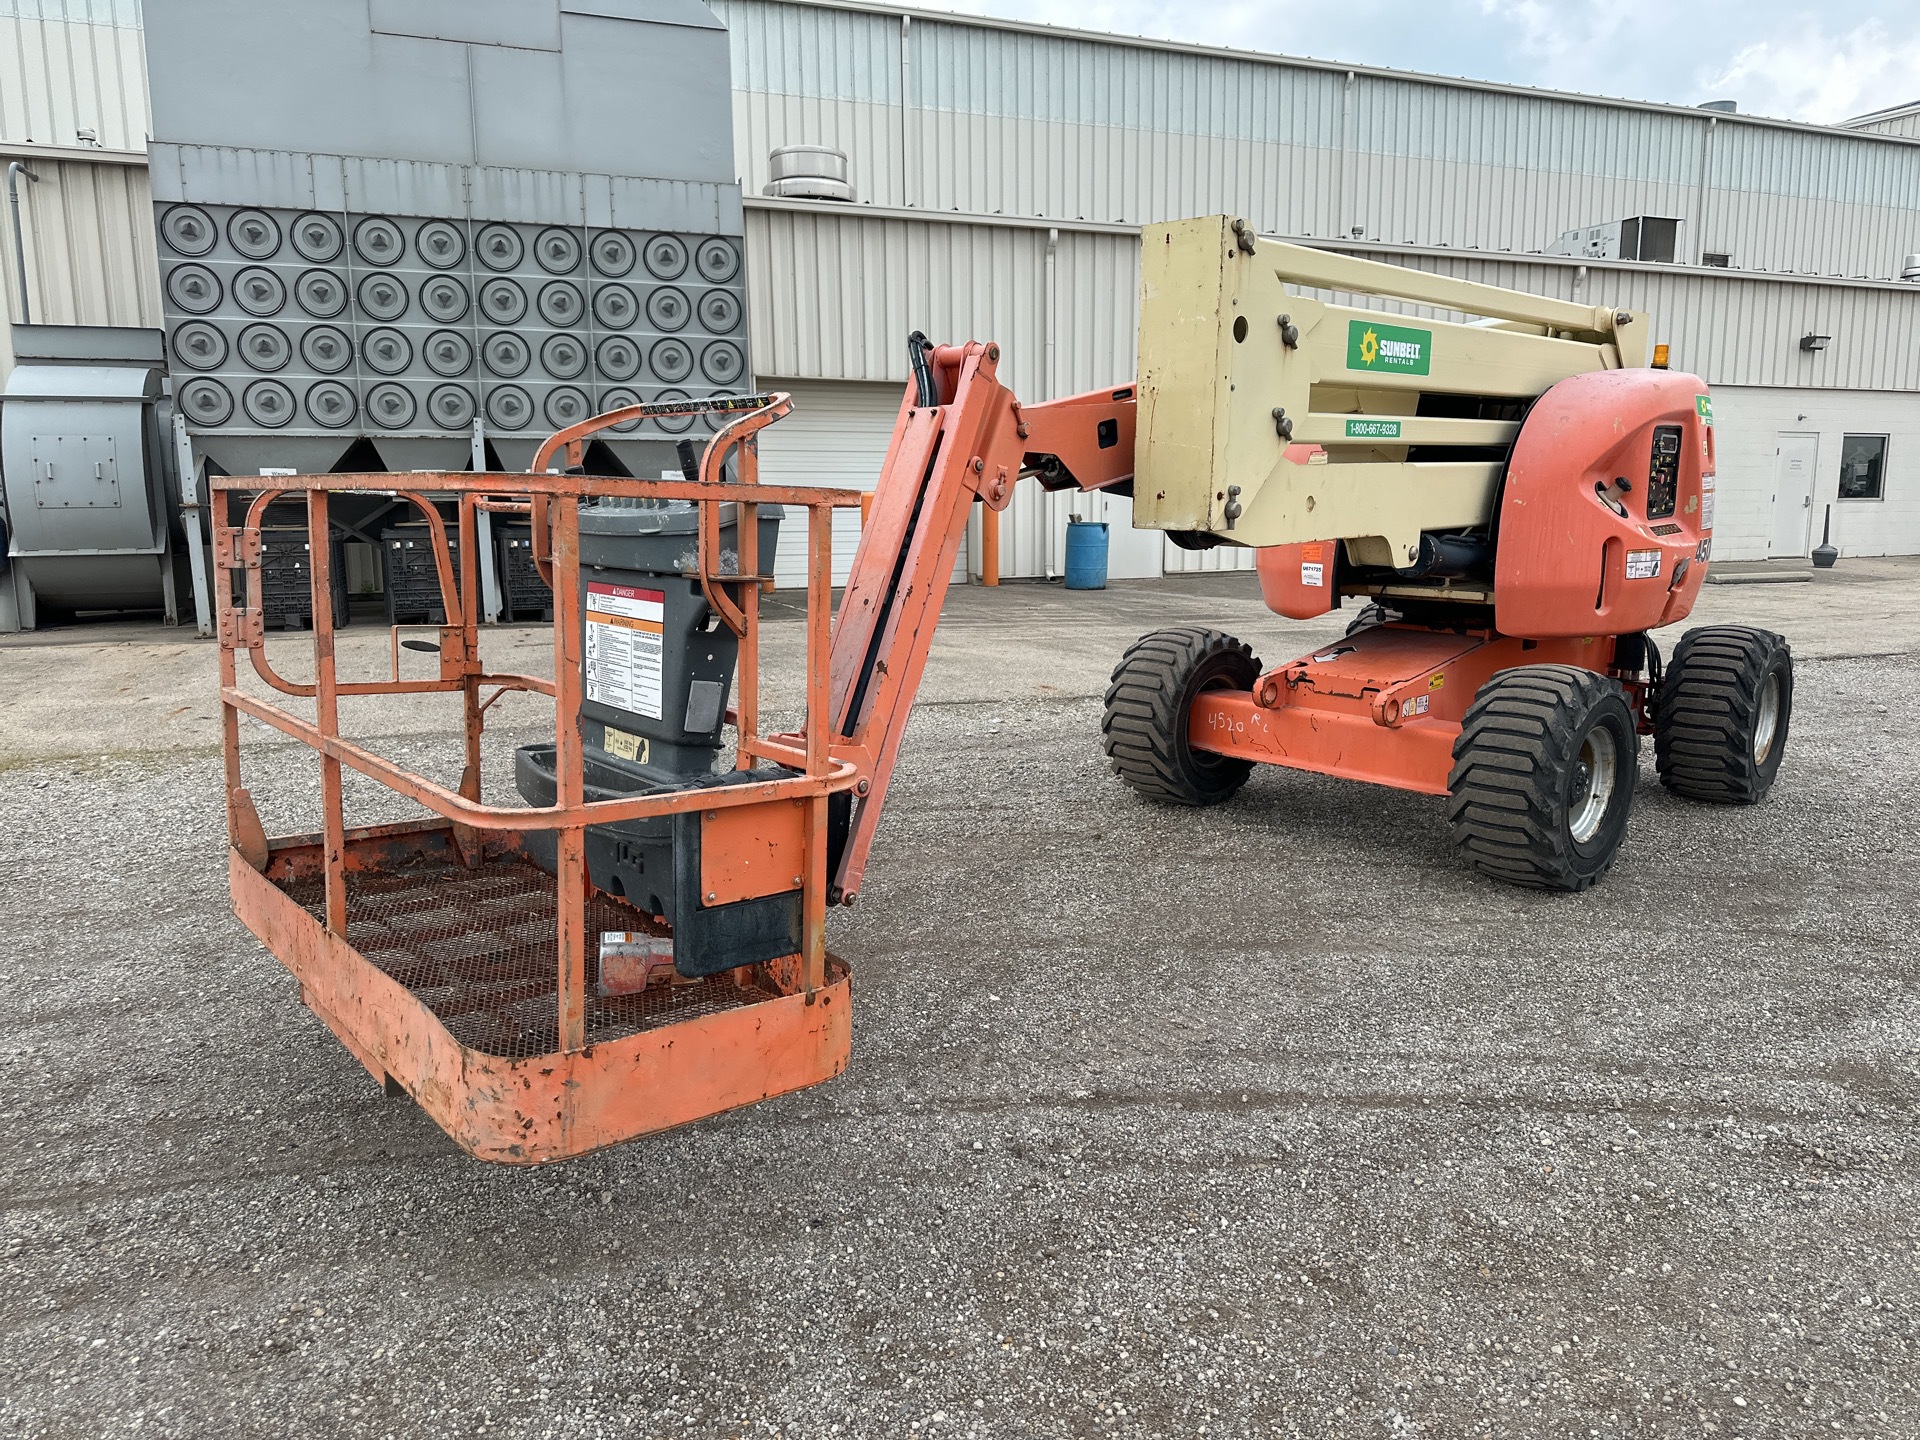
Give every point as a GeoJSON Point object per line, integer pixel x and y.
{"type": "Point", "coordinates": [657, 667]}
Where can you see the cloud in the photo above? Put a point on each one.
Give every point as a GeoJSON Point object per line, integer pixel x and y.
{"type": "Point", "coordinates": [1811, 75]}
{"type": "Point", "coordinates": [1774, 57]}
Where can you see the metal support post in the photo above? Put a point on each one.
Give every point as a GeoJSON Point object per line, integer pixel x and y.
{"type": "Point", "coordinates": [190, 508]}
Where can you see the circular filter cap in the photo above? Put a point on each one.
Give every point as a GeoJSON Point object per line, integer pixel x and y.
{"type": "Point", "coordinates": [318, 238]}
{"type": "Point", "coordinates": [560, 304]}
{"type": "Point", "coordinates": [259, 291]}
{"type": "Point", "coordinates": [672, 360]}
{"type": "Point", "coordinates": [451, 407]}
{"type": "Point", "coordinates": [499, 247]}
{"type": "Point", "coordinates": [254, 233]}
{"type": "Point", "coordinates": [612, 253]}
{"type": "Point", "coordinates": [619, 398]}
{"type": "Point", "coordinates": [717, 259]}
{"type": "Point", "coordinates": [445, 299]}
{"type": "Point", "coordinates": [719, 311]}
{"type": "Point", "coordinates": [199, 345]}
{"type": "Point", "coordinates": [208, 402]}
{"type": "Point", "coordinates": [386, 351]}
{"type": "Point", "coordinates": [557, 251]}
{"type": "Point", "coordinates": [567, 405]}
{"type": "Point", "coordinates": [614, 307]}
{"type": "Point", "coordinates": [268, 403]}
{"type": "Point", "coordinates": [383, 297]}
{"type": "Point", "coordinates": [441, 244]}
{"type": "Point", "coordinates": [502, 301]}
{"type": "Point", "coordinates": [509, 408]}
{"type": "Point", "coordinates": [265, 348]}
{"type": "Point", "coordinates": [618, 358]}
{"type": "Point", "coordinates": [665, 257]}
{"type": "Point", "coordinates": [390, 405]}
{"type": "Point", "coordinates": [563, 357]}
{"type": "Point", "coordinates": [326, 349]}
{"type": "Point", "coordinates": [189, 230]}
{"type": "Point", "coordinates": [379, 241]}
{"type": "Point", "coordinates": [331, 404]}
{"type": "Point", "coordinates": [667, 308]}
{"type": "Point", "coordinates": [193, 288]}
{"type": "Point", "coordinates": [722, 363]}
{"type": "Point", "coordinates": [448, 352]}
{"type": "Point", "coordinates": [506, 354]}
{"type": "Point", "coordinates": [321, 293]}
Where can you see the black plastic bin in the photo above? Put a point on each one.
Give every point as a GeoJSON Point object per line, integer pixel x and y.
{"type": "Point", "coordinates": [412, 580]}
{"type": "Point", "coordinates": [523, 594]}
{"type": "Point", "coordinates": [286, 578]}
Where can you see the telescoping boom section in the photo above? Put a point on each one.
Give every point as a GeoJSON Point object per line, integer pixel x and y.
{"type": "Point", "coordinates": [642, 941]}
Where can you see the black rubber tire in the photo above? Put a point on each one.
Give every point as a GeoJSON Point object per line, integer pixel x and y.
{"type": "Point", "coordinates": [1517, 776]}
{"type": "Point", "coordinates": [1144, 729]}
{"type": "Point", "coordinates": [1707, 714]}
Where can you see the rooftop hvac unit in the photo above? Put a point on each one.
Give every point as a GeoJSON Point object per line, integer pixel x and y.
{"type": "Point", "coordinates": [809, 172]}
{"type": "Point", "coordinates": [1644, 237]}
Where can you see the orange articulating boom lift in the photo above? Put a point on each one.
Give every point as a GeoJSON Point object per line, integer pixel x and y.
{"type": "Point", "coordinates": [1517, 498]}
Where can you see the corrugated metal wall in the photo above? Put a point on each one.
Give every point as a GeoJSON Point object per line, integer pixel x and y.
{"type": "Point", "coordinates": [1906, 122]}
{"type": "Point", "coordinates": [69, 65]}
{"type": "Point", "coordinates": [91, 255]}
{"type": "Point", "coordinates": [997, 120]}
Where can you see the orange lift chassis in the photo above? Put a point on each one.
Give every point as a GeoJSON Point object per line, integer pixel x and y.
{"type": "Point", "coordinates": [1518, 499]}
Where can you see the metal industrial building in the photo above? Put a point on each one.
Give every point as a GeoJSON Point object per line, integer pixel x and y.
{"type": "Point", "coordinates": [1000, 172]}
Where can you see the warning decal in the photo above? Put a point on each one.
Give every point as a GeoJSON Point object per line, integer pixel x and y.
{"type": "Point", "coordinates": [1643, 564]}
{"type": "Point", "coordinates": [624, 628]}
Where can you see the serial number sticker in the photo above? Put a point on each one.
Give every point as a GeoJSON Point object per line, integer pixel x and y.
{"type": "Point", "coordinates": [625, 627]}
{"type": "Point", "coordinates": [1313, 573]}
{"type": "Point", "coordinates": [1643, 564]}
{"type": "Point", "coordinates": [627, 747]}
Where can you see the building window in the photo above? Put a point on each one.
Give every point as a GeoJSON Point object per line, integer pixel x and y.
{"type": "Point", "coordinates": [1863, 467]}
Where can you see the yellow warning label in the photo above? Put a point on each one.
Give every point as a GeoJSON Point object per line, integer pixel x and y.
{"type": "Point", "coordinates": [627, 747]}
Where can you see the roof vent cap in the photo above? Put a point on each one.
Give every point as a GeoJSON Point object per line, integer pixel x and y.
{"type": "Point", "coordinates": [809, 172]}
{"type": "Point", "coordinates": [1910, 268]}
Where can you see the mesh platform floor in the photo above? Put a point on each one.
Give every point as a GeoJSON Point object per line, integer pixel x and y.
{"type": "Point", "coordinates": [478, 948]}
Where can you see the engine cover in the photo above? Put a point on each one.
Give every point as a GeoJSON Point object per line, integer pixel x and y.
{"type": "Point", "coordinates": [1606, 517]}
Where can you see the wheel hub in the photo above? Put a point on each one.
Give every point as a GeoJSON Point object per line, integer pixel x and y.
{"type": "Point", "coordinates": [1595, 773]}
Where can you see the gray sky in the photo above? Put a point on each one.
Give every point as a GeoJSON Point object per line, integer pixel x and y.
{"type": "Point", "coordinates": [1775, 57]}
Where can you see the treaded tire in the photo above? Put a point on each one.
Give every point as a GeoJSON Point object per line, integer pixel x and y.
{"type": "Point", "coordinates": [1145, 725]}
{"type": "Point", "coordinates": [1707, 718]}
{"type": "Point", "coordinates": [1520, 808]}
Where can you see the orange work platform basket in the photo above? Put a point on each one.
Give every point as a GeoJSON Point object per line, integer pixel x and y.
{"type": "Point", "coordinates": [445, 958]}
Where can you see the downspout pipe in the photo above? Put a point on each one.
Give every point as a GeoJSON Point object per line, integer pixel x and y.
{"type": "Point", "coordinates": [14, 171]}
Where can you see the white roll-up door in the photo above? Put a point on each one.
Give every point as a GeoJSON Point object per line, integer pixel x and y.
{"type": "Point", "coordinates": [837, 436]}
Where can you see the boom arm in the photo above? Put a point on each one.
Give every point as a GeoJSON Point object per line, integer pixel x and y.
{"type": "Point", "coordinates": [973, 442]}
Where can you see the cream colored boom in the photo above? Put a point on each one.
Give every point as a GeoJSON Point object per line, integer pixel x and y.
{"type": "Point", "coordinates": [1234, 368]}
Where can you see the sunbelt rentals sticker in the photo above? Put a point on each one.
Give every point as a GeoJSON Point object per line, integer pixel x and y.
{"type": "Point", "coordinates": [1395, 348]}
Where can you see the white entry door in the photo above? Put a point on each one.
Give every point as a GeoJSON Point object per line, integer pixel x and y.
{"type": "Point", "coordinates": [1793, 469]}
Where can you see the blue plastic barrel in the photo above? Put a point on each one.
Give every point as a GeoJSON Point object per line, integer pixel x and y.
{"type": "Point", "coordinates": [1086, 554]}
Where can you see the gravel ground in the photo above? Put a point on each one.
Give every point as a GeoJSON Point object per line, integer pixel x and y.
{"type": "Point", "coordinates": [1267, 1120]}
